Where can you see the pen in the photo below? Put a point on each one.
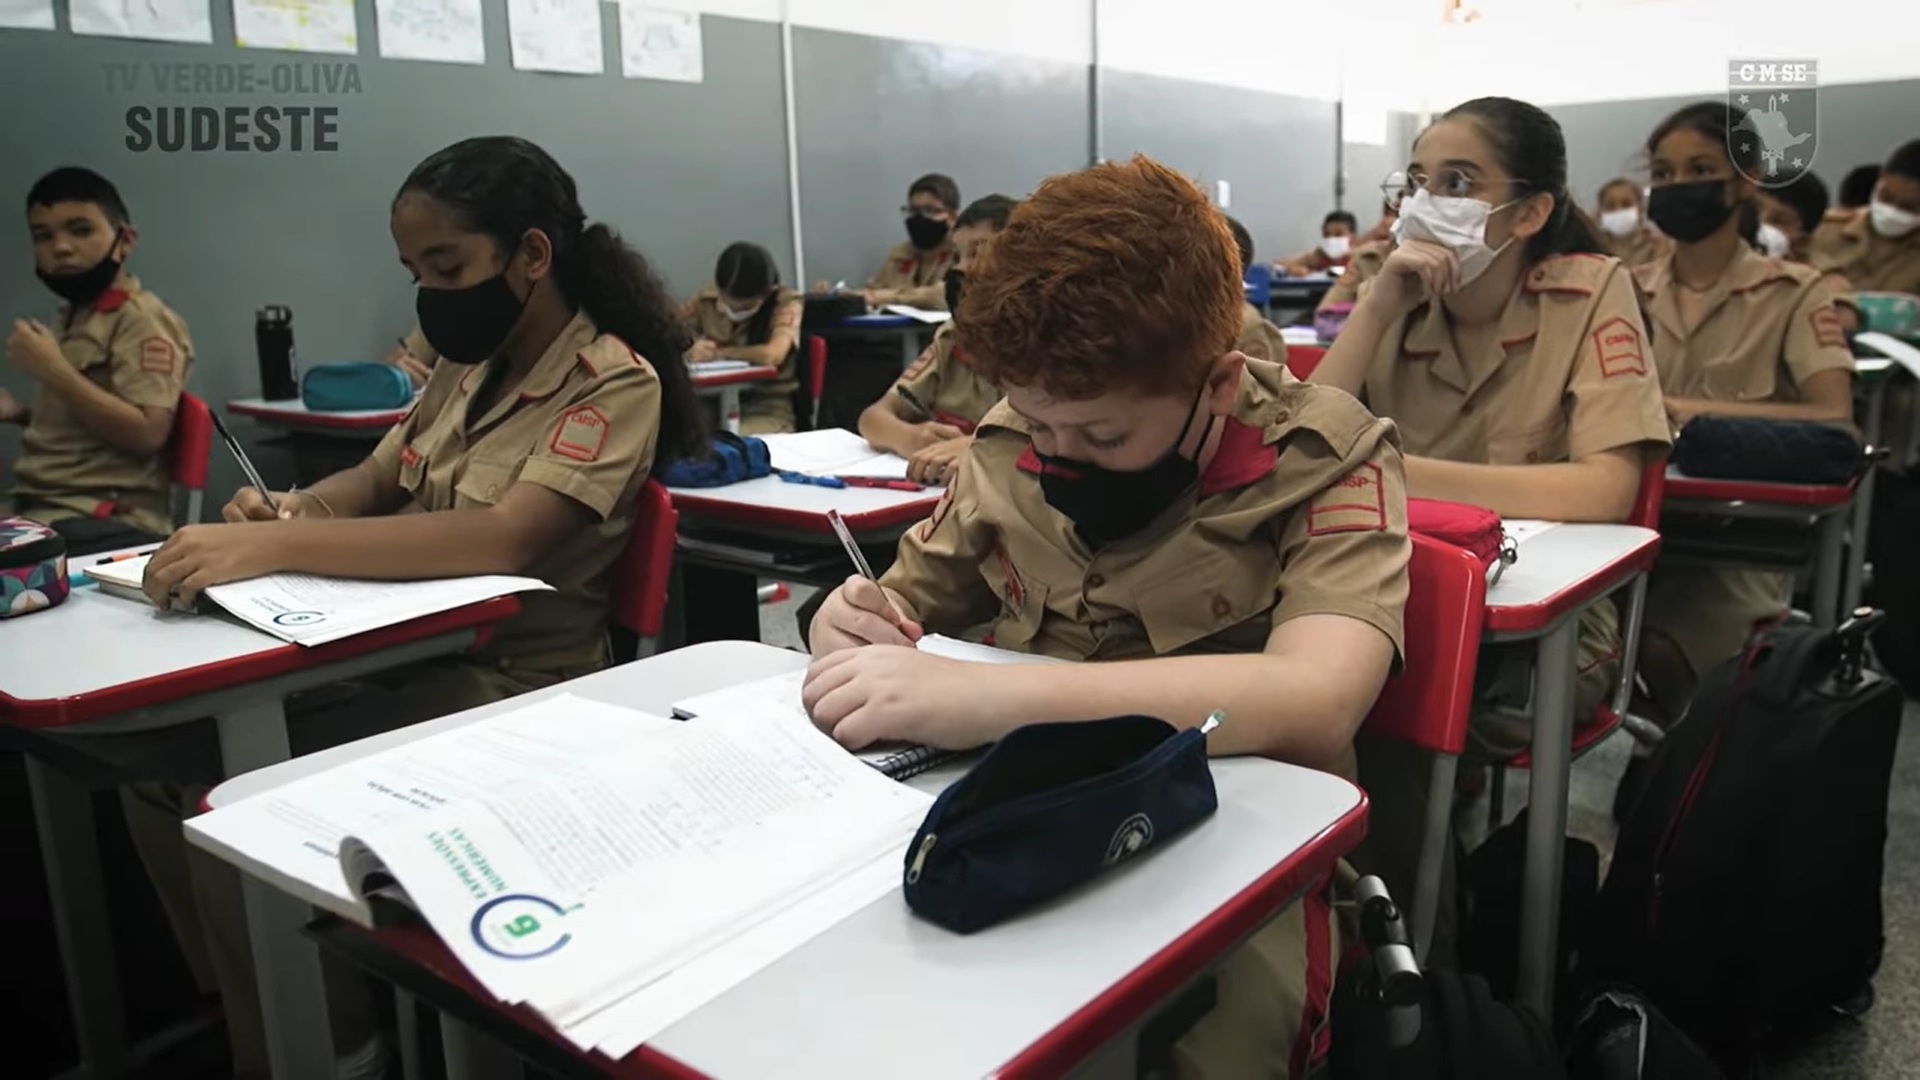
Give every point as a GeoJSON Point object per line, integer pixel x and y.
{"type": "Point", "coordinates": [403, 346]}
{"type": "Point", "coordinates": [878, 482]}
{"type": "Point", "coordinates": [246, 466]}
{"type": "Point", "coordinates": [123, 556]}
{"type": "Point", "coordinates": [860, 560]}
{"type": "Point", "coordinates": [1212, 721]}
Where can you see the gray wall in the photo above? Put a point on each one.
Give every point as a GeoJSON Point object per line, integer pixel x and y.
{"type": "Point", "coordinates": [1859, 123]}
{"type": "Point", "coordinates": [1364, 166]}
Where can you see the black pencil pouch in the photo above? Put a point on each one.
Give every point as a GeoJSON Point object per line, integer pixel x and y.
{"type": "Point", "coordinates": [1775, 451]}
{"type": "Point", "coordinates": [1052, 806]}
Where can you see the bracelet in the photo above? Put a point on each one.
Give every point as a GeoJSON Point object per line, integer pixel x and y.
{"type": "Point", "coordinates": [324, 505]}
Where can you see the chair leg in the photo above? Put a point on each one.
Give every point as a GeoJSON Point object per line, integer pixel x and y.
{"type": "Point", "coordinates": [1433, 852]}
{"type": "Point", "coordinates": [1630, 645]}
{"type": "Point", "coordinates": [1497, 798]}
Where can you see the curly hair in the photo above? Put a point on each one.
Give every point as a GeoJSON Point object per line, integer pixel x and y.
{"type": "Point", "coordinates": [1118, 277]}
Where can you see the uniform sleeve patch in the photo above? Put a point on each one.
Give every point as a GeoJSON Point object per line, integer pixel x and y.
{"type": "Point", "coordinates": [919, 365]}
{"type": "Point", "coordinates": [158, 355]}
{"type": "Point", "coordinates": [1016, 589]}
{"type": "Point", "coordinates": [1618, 346]}
{"type": "Point", "coordinates": [1356, 502]}
{"type": "Point", "coordinates": [581, 434]}
{"type": "Point", "coordinates": [939, 515]}
{"type": "Point", "coordinates": [1826, 327]}
{"type": "Point", "coordinates": [409, 456]}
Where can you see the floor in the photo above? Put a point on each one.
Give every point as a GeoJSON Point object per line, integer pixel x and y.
{"type": "Point", "coordinates": [1886, 1043]}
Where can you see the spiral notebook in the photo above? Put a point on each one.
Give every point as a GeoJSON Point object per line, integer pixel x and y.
{"type": "Point", "coordinates": [781, 694]}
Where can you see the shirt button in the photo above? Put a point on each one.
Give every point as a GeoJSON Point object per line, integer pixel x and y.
{"type": "Point", "coordinates": [1466, 410]}
{"type": "Point", "coordinates": [1094, 581]}
{"type": "Point", "coordinates": [1221, 606]}
{"type": "Point", "coordinates": [493, 491]}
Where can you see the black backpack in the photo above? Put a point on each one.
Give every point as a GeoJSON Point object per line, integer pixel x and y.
{"type": "Point", "coordinates": [1744, 895]}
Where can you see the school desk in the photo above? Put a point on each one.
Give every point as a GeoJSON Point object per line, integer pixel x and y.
{"type": "Point", "coordinates": [1558, 575]}
{"type": "Point", "coordinates": [884, 994]}
{"type": "Point", "coordinates": [770, 528]}
{"type": "Point", "coordinates": [726, 385]}
{"type": "Point", "coordinates": [100, 665]}
{"type": "Point", "coordinates": [1286, 295]}
{"type": "Point", "coordinates": [1825, 507]}
{"type": "Point", "coordinates": [294, 416]}
{"type": "Point", "coordinates": [910, 333]}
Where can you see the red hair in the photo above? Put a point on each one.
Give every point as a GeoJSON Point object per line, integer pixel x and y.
{"type": "Point", "coordinates": [1118, 277]}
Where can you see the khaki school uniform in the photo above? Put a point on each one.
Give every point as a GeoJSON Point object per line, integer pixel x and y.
{"type": "Point", "coordinates": [132, 345]}
{"type": "Point", "coordinates": [1764, 329]}
{"type": "Point", "coordinates": [944, 387]}
{"type": "Point", "coordinates": [765, 407]}
{"type": "Point", "coordinates": [1643, 245]}
{"type": "Point", "coordinates": [912, 276]}
{"type": "Point", "coordinates": [1364, 262]}
{"type": "Point", "coordinates": [1301, 511]}
{"type": "Point", "coordinates": [1259, 338]}
{"type": "Point", "coordinates": [1847, 243]}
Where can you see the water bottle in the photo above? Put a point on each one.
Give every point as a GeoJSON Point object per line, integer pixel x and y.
{"type": "Point", "coordinates": [273, 337]}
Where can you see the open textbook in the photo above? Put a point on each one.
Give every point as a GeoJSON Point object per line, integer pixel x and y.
{"type": "Point", "coordinates": [832, 452]}
{"type": "Point", "coordinates": [612, 870]}
{"type": "Point", "coordinates": [307, 609]}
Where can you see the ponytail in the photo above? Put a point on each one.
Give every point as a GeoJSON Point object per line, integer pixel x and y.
{"type": "Point", "coordinates": [619, 291]}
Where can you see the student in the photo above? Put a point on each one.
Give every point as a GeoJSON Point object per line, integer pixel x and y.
{"type": "Point", "coordinates": [930, 416]}
{"type": "Point", "coordinates": [1878, 247]}
{"type": "Point", "coordinates": [1510, 353]}
{"type": "Point", "coordinates": [1363, 263]}
{"type": "Point", "coordinates": [744, 314]}
{"type": "Point", "coordinates": [1337, 231]}
{"type": "Point", "coordinates": [1856, 188]}
{"type": "Point", "coordinates": [1152, 501]}
{"type": "Point", "coordinates": [915, 272]}
{"type": "Point", "coordinates": [1259, 338]}
{"type": "Point", "coordinates": [524, 455]}
{"type": "Point", "coordinates": [1735, 333]}
{"type": "Point", "coordinates": [415, 357]}
{"type": "Point", "coordinates": [1789, 214]}
{"type": "Point", "coordinates": [1382, 231]}
{"type": "Point", "coordinates": [109, 375]}
{"type": "Point", "coordinates": [1623, 220]}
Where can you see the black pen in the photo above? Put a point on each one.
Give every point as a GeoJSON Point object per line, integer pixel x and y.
{"type": "Point", "coordinates": [246, 466]}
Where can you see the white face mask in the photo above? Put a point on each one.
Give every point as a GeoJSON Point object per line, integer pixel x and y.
{"type": "Point", "coordinates": [1891, 221]}
{"type": "Point", "coordinates": [1459, 225]}
{"type": "Point", "coordinates": [1773, 242]}
{"type": "Point", "coordinates": [738, 316]}
{"type": "Point", "coordinates": [1621, 222]}
{"type": "Point", "coordinates": [1336, 247]}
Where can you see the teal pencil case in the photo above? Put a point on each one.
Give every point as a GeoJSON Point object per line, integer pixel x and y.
{"type": "Point", "coordinates": [355, 387]}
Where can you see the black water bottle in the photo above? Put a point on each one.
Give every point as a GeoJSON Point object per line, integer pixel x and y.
{"type": "Point", "coordinates": [273, 337]}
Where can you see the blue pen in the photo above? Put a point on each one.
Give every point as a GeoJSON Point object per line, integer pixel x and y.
{"type": "Point", "coordinates": [817, 481]}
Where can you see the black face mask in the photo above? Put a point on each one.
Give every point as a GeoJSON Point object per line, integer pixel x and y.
{"type": "Point", "coordinates": [83, 287]}
{"type": "Point", "coordinates": [468, 325]}
{"type": "Point", "coordinates": [925, 232]}
{"type": "Point", "coordinates": [1106, 505]}
{"type": "Point", "coordinates": [956, 283]}
{"type": "Point", "coordinates": [1690, 212]}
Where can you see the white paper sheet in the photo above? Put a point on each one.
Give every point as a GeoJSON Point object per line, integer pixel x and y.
{"type": "Point", "coordinates": [718, 367]}
{"type": "Point", "coordinates": [26, 14]}
{"type": "Point", "coordinates": [556, 35]}
{"type": "Point", "coordinates": [323, 26]}
{"type": "Point", "coordinates": [154, 20]}
{"type": "Point", "coordinates": [931, 318]}
{"type": "Point", "coordinates": [449, 31]}
{"type": "Point", "coordinates": [973, 652]}
{"type": "Point", "coordinates": [833, 452]}
{"type": "Point", "coordinates": [657, 43]}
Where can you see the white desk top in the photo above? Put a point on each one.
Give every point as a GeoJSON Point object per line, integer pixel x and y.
{"type": "Point", "coordinates": [906, 995]}
{"type": "Point", "coordinates": [95, 641]}
{"type": "Point", "coordinates": [773, 503]}
{"type": "Point", "coordinates": [1554, 562]}
{"type": "Point", "coordinates": [297, 409]}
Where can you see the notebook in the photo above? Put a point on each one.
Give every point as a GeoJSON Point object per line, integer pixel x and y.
{"type": "Point", "coordinates": [781, 695]}
{"type": "Point", "coordinates": [832, 452]}
{"type": "Point", "coordinates": [307, 609]}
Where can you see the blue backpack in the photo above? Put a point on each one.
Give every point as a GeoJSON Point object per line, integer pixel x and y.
{"type": "Point", "coordinates": [734, 458]}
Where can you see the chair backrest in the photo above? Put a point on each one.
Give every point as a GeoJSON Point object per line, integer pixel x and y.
{"type": "Point", "coordinates": [189, 449]}
{"type": "Point", "coordinates": [1429, 701]}
{"type": "Point", "coordinates": [1302, 359]}
{"type": "Point", "coordinates": [1646, 501]}
{"type": "Point", "coordinates": [640, 577]}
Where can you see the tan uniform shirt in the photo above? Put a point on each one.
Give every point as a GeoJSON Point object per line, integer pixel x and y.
{"type": "Point", "coordinates": [1259, 338]}
{"type": "Point", "coordinates": [914, 276]}
{"type": "Point", "coordinates": [1847, 243]}
{"type": "Point", "coordinates": [1363, 263]}
{"type": "Point", "coordinates": [1643, 245]}
{"type": "Point", "coordinates": [943, 386]}
{"type": "Point", "coordinates": [1301, 511]}
{"type": "Point", "coordinates": [132, 345]}
{"type": "Point", "coordinates": [583, 423]}
{"type": "Point", "coordinates": [1759, 334]}
{"type": "Point", "coordinates": [764, 406]}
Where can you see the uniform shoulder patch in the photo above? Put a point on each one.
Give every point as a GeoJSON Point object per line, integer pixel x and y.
{"type": "Point", "coordinates": [1357, 502]}
{"type": "Point", "coordinates": [158, 355]}
{"type": "Point", "coordinates": [1826, 327]}
{"type": "Point", "coordinates": [1617, 345]}
{"type": "Point", "coordinates": [919, 365]}
{"type": "Point", "coordinates": [581, 433]}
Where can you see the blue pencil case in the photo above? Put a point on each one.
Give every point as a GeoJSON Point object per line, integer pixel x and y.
{"type": "Point", "coordinates": [1051, 807]}
{"type": "Point", "coordinates": [734, 458]}
{"type": "Point", "coordinates": [355, 387]}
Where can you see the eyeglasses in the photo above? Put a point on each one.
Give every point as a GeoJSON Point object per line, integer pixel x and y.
{"type": "Point", "coordinates": [1447, 183]}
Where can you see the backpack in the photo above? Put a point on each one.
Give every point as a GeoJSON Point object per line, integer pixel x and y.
{"type": "Point", "coordinates": [1744, 895]}
{"type": "Point", "coordinates": [1617, 1034]}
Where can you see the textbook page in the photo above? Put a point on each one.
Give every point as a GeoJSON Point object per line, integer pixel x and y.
{"type": "Point", "coordinates": [833, 452]}
{"type": "Point", "coordinates": [449, 31]}
{"type": "Point", "coordinates": [307, 609]}
{"type": "Point", "coordinates": [568, 888]}
{"type": "Point", "coordinates": [291, 835]}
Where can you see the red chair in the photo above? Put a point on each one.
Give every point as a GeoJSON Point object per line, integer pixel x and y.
{"type": "Point", "coordinates": [816, 375]}
{"type": "Point", "coordinates": [188, 451]}
{"type": "Point", "coordinates": [1430, 702]}
{"type": "Point", "coordinates": [640, 577]}
{"type": "Point", "coordinates": [1302, 359]}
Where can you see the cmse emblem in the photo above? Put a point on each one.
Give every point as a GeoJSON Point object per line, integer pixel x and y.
{"type": "Point", "coordinates": [1133, 834]}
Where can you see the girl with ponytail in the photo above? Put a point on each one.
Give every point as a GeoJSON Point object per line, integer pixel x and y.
{"type": "Point", "coordinates": [744, 314]}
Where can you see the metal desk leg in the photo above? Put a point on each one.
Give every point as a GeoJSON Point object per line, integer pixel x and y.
{"type": "Point", "coordinates": [730, 408]}
{"type": "Point", "coordinates": [1827, 567]}
{"type": "Point", "coordinates": [473, 1056]}
{"type": "Point", "coordinates": [1859, 527]}
{"type": "Point", "coordinates": [293, 1003]}
{"type": "Point", "coordinates": [1554, 676]}
{"type": "Point", "coordinates": [70, 849]}
{"type": "Point", "coordinates": [406, 1011]}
